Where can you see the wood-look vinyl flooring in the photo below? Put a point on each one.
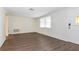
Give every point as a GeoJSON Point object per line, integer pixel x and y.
{"type": "Point", "coordinates": [36, 42]}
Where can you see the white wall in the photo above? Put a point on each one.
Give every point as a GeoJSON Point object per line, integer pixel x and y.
{"type": "Point", "coordinates": [24, 24]}
{"type": "Point", "coordinates": [2, 26]}
{"type": "Point", "coordinates": [59, 29]}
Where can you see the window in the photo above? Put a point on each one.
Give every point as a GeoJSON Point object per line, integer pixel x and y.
{"type": "Point", "coordinates": [45, 22]}
{"type": "Point", "coordinates": [77, 20]}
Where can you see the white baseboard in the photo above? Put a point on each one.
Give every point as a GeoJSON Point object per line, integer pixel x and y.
{"type": "Point", "coordinates": [63, 39]}
{"type": "Point", "coordinates": [2, 42]}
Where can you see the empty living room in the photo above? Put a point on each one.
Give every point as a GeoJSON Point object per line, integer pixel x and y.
{"type": "Point", "coordinates": [39, 28]}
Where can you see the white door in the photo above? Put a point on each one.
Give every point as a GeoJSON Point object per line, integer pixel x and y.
{"type": "Point", "coordinates": [73, 32]}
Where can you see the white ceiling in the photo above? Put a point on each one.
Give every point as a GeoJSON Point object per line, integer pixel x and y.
{"type": "Point", "coordinates": [24, 11]}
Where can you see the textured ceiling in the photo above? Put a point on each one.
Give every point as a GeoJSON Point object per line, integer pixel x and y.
{"type": "Point", "coordinates": [33, 12]}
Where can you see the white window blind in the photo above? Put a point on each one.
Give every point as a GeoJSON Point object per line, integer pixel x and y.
{"type": "Point", "coordinates": [45, 22]}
